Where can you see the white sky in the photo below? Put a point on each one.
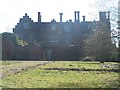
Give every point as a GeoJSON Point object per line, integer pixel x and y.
{"type": "Point", "coordinates": [12, 10]}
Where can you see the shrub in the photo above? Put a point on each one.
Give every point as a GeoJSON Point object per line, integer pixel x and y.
{"type": "Point", "coordinates": [87, 58]}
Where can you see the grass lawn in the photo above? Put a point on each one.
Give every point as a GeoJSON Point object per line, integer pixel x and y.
{"type": "Point", "coordinates": [41, 78]}
{"type": "Point", "coordinates": [8, 67]}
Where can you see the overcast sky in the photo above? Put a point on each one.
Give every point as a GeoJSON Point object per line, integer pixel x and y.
{"type": "Point", "coordinates": [12, 10]}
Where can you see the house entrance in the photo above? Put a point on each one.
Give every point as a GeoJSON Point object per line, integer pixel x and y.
{"type": "Point", "coordinates": [53, 55]}
{"type": "Point", "coordinates": [49, 55]}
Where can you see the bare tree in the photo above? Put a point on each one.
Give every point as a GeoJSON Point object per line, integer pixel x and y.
{"type": "Point", "coordinates": [101, 43]}
{"type": "Point", "coordinates": [98, 43]}
{"type": "Point", "coordinates": [112, 6]}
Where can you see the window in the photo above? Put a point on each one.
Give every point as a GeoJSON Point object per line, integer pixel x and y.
{"type": "Point", "coordinates": [53, 26]}
{"type": "Point", "coordinates": [53, 38]}
{"type": "Point", "coordinates": [26, 25]}
{"type": "Point", "coordinates": [67, 28]}
{"type": "Point", "coordinates": [31, 37]}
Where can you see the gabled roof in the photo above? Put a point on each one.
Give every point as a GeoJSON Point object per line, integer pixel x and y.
{"type": "Point", "coordinates": [25, 18]}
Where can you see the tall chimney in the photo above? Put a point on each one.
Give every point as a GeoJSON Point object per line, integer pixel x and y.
{"type": "Point", "coordinates": [78, 16]}
{"type": "Point", "coordinates": [102, 16]}
{"type": "Point", "coordinates": [108, 15]}
{"type": "Point", "coordinates": [75, 15]}
{"type": "Point", "coordinates": [39, 17]}
{"type": "Point", "coordinates": [83, 18]}
{"type": "Point", "coordinates": [61, 16]}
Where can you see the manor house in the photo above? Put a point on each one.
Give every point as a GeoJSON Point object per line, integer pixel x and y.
{"type": "Point", "coordinates": [59, 40]}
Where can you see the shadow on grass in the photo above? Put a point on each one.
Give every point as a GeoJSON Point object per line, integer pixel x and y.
{"type": "Point", "coordinates": [87, 62]}
{"type": "Point", "coordinates": [83, 69]}
{"type": "Point", "coordinates": [68, 85]}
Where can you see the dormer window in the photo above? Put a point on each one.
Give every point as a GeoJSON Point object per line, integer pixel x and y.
{"type": "Point", "coordinates": [26, 25]}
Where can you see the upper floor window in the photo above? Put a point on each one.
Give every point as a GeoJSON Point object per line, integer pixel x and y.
{"type": "Point", "coordinates": [26, 25]}
{"type": "Point", "coordinates": [53, 26]}
{"type": "Point", "coordinates": [31, 37]}
{"type": "Point", "coordinates": [67, 28]}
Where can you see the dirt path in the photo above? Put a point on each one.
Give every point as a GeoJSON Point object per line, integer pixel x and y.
{"type": "Point", "coordinates": [20, 66]}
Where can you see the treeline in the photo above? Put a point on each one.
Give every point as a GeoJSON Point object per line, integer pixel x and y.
{"type": "Point", "coordinates": [100, 46]}
{"type": "Point", "coordinates": [14, 48]}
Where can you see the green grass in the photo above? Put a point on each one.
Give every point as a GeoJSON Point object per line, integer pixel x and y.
{"type": "Point", "coordinates": [40, 78]}
{"type": "Point", "coordinates": [8, 66]}
{"type": "Point", "coordinates": [4, 63]}
{"type": "Point", "coordinates": [77, 64]}
{"type": "Point", "coordinates": [72, 64]}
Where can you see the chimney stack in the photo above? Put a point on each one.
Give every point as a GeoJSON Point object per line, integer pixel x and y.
{"type": "Point", "coordinates": [39, 17]}
{"type": "Point", "coordinates": [102, 16]}
{"type": "Point", "coordinates": [78, 12]}
{"type": "Point", "coordinates": [83, 18]}
{"type": "Point", "coordinates": [108, 15]}
{"type": "Point", "coordinates": [61, 16]}
{"type": "Point", "coordinates": [75, 15]}
{"type": "Point", "coordinates": [25, 14]}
